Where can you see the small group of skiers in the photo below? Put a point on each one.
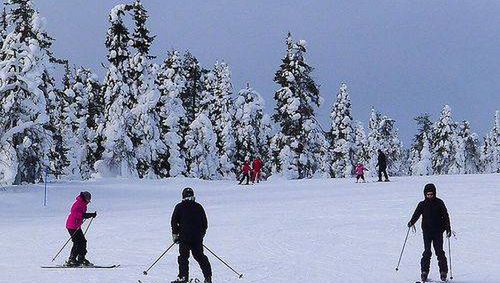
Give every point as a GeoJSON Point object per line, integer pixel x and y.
{"type": "Point", "coordinates": [381, 165]}
{"type": "Point", "coordinates": [189, 225]}
{"type": "Point", "coordinates": [253, 173]}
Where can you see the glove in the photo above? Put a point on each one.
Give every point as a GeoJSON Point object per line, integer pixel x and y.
{"type": "Point", "coordinates": [409, 224]}
{"type": "Point", "coordinates": [90, 215]}
{"type": "Point", "coordinates": [448, 233]}
{"type": "Point", "coordinates": [175, 238]}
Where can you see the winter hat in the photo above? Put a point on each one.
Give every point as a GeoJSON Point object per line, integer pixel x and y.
{"type": "Point", "coordinates": [430, 188]}
{"type": "Point", "coordinates": [86, 196]}
{"type": "Point", "coordinates": [187, 193]}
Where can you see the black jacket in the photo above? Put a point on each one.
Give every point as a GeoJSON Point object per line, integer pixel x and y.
{"type": "Point", "coordinates": [189, 221]}
{"type": "Point", "coordinates": [435, 218]}
{"type": "Point", "coordinates": [382, 161]}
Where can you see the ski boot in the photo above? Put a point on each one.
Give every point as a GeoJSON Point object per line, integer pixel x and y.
{"type": "Point", "coordinates": [181, 280]}
{"type": "Point", "coordinates": [208, 279]}
{"type": "Point", "coordinates": [423, 276]}
{"type": "Point", "coordinates": [443, 276]}
{"type": "Point", "coordinates": [84, 262]}
{"type": "Point", "coordinates": [71, 262]}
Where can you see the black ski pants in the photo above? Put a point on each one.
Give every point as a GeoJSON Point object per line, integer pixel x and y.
{"type": "Point", "coordinates": [196, 249]}
{"type": "Point", "coordinates": [436, 239]}
{"type": "Point", "coordinates": [79, 248]}
{"type": "Point", "coordinates": [380, 171]}
{"type": "Point", "coordinates": [247, 175]}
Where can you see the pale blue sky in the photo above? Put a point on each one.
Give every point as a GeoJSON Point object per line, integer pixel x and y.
{"type": "Point", "coordinates": [403, 57]}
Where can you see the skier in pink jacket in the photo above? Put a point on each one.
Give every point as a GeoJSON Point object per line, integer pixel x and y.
{"type": "Point", "coordinates": [360, 172]}
{"type": "Point", "coordinates": [73, 224]}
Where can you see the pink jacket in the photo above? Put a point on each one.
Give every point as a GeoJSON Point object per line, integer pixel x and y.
{"type": "Point", "coordinates": [75, 218]}
{"type": "Point", "coordinates": [360, 169]}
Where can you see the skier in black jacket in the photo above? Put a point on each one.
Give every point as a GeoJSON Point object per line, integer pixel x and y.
{"type": "Point", "coordinates": [382, 166]}
{"type": "Point", "coordinates": [189, 225]}
{"type": "Point", "coordinates": [435, 220]}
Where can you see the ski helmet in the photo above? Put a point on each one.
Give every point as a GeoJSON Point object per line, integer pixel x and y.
{"type": "Point", "coordinates": [86, 196]}
{"type": "Point", "coordinates": [187, 193]}
{"type": "Point", "coordinates": [430, 188]}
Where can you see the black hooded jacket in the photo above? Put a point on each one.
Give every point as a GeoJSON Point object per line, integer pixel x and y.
{"type": "Point", "coordinates": [435, 218]}
{"type": "Point", "coordinates": [382, 161]}
{"type": "Point", "coordinates": [189, 221]}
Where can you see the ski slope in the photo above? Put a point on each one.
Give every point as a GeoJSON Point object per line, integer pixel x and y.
{"type": "Point", "coordinates": [320, 230]}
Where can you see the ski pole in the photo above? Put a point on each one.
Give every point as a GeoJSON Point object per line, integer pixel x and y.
{"type": "Point", "coordinates": [71, 237]}
{"type": "Point", "coordinates": [239, 275]}
{"type": "Point", "coordinates": [401, 255]}
{"type": "Point", "coordinates": [449, 252]}
{"type": "Point", "coordinates": [146, 271]}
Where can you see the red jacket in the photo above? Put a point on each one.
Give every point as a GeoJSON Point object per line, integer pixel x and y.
{"type": "Point", "coordinates": [257, 164]}
{"type": "Point", "coordinates": [246, 168]}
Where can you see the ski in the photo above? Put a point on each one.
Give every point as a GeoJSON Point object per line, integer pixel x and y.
{"type": "Point", "coordinates": [82, 266]}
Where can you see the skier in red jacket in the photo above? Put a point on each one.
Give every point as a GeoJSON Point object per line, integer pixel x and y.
{"type": "Point", "coordinates": [245, 170]}
{"type": "Point", "coordinates": [257, 167]}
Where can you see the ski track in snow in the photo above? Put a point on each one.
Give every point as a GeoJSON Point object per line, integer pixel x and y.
{"type": "Point", "coordinates": [319, 230]}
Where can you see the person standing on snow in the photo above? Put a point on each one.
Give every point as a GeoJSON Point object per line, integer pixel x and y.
{"type": "Point", "coordinates": [435, 220]}
{"type": "Point", "coordinates": [245, 170]}
{"type": "Point", "coordinates": [73, 224]}
{"type": "Point", "coordinates": [189, 226]}
{"type": "Point", "coordinates": [382, 166]}
{"type": "Point", "coordinates": [360, 172]}
{"type": "Point", "coordinates": [257, 167]}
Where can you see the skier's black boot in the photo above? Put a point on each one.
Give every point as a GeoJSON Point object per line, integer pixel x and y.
{"type": "Point", "coordinates": [72, 262]}
{"type": "Point", "coordinates": [208, 280]}
{"type": "Point", "coordinates": [424, 275]}
{"type": "Point", "coordinates": [180, 280]}
{"type": "Point", "coordinates": [84, 262]}
{"type": "Point", "coordinates": [443, 276]}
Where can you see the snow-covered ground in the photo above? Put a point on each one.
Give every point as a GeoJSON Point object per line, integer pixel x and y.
{"type": "Point", "coordinates": [324, 230]}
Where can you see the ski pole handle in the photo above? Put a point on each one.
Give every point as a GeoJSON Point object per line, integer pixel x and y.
{"type": "Point", "coordinates": [146, 271]}
{"type": "Point", "coordinates": [401, 255]}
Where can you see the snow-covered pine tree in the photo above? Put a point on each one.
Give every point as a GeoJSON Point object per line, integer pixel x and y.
{"type": "Point", "coordinates": [252, 127]}
{"type": "Point", "coordinates": [79, 117]}
{"type": "Point", "coordinates": [201, 149]}
{"type": "Point", "coordinates": [118, 158]}
{"type": "Point", "coordinates": [467, 152]}
{"type": "Point", "coordinates": [90, 118]}
{"type": "Point", "coordinates": [146, 137]}
{"type": "Point", "coordinates": [4, 24]}
{"type": "Point", "coordinates": [361, 154]}
{"type": "Point", "coordinates": [443, 142]}
{"type": "Point", "coordinates": [73, 144]}
{"type": "Point", "coordinates": [296, 146]}
{"type": "Point", "coordinates": [423, 166]}
{"type": "Point", "coordinates": [193, 87]}
{"type": "Point", "coordinates": [58, 153]}
{"type": "Point", "coordinates": [384, 136]}
{"type": "Point", "coordinates": [24, 63]}
{"type": "Point", "coordinates": [221, 116]}
{"type": "Point", "coordinates": [342, 135]}
{"type": "Point", "coordinates": [170, 83]}
{"type": "Point", "coordinates": [491, 148]}
{"type": "Point", "coordinates": [424, 130]}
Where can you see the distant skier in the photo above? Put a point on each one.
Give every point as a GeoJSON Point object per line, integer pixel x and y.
{"type": "Point", "coordinates": [245, 172]}
{"type": "Point", "coordinates": [73, 224]}
{"type": "Point", "coordinates": [382, 166]}
{"type": "Point", "coordinates": [435, 220]}
{"type": "Point", "coordinates": [257, 167]}
{"type": "Point", "coordinates": [360, 172]}
{"type": "Point", "coordinates": [189, 225]}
